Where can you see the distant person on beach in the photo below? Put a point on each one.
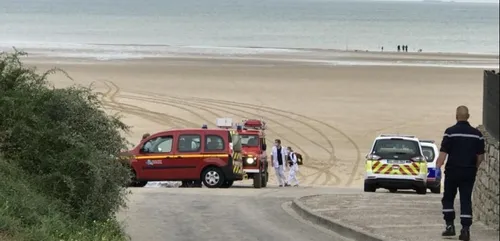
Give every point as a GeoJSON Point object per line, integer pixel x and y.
{"type": "Point", "coordinates": [406, 48]}
{"type": "Point", "coordinates": [382, 48]}
{"type": "Point", "coordinates": [399, 48]}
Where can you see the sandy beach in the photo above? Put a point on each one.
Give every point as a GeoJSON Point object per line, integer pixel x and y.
{"type": "Point", "coordinates": [329, 113]}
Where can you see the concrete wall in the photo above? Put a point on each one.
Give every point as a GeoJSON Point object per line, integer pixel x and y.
{"type": "Point", "coordinates": [486, 191]}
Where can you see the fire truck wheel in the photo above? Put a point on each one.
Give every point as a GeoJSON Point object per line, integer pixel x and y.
{"type": "Point", "coordinates": [257, 180]}
{"type": "Point", "coordinates": [212, 177]}
{"type": "Point", "coordinates": [227, 184]}
{"type": "Point", "coordinates": [265, 178]}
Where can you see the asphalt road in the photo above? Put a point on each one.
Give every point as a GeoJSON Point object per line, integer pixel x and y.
{"type": "Point", "coordinates": [238, 213]}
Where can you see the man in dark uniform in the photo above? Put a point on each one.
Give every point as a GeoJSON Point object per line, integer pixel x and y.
{"type": "Point", "coordinates": [464, 146]}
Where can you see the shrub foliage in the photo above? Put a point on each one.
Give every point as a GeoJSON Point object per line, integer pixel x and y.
{"type": "Point", "coordinates": [63, 145]}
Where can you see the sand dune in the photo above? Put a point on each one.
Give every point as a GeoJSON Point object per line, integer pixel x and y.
{"type": "Point", "coordinates": [328, 113]}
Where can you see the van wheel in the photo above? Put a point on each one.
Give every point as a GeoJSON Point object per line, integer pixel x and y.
{"type": "Point", "coordinates": [212, 177]}
{"type": "Point", "coordinates": [134, 182]}
{"type": "Point", "coordinates": [369, 188]}
{"type": "Point", "coordinates": [265, 177]}
{"type": "Point", "coordinates": [421, 190]}
{"type": "Point", "coordinates": [436, 189]}
{"type": "Point", "coordinates": [227, 184]}
{"type": "Point", "coordinates": [141, 184]}
{"type": "Point", "coordinates": [257, 180]}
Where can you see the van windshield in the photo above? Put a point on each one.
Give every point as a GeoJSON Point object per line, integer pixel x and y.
{"type": "Point", "coordinates": [396, 149]}
{"type": "Point", "coordinates": [428, 153]}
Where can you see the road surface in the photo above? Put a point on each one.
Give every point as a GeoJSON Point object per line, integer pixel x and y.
{"type": "Point", "coordinates": [238, 213]}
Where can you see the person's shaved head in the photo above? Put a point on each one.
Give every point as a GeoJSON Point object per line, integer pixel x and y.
{"type": "Point", "coordinates": [462, 113]}
{"type": "Point", "coordinates": [146, 135]}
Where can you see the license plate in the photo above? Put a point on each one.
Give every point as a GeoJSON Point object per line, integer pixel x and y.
{"type": "Point", "coordinates": [395, 162]}
{"type": "Point", "coordinates": [395, 167]}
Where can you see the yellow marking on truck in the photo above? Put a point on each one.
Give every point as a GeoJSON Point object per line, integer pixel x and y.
{"type": "Point", "coordinates": [181, 156]}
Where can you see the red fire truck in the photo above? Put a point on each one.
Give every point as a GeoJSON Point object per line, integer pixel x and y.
{"type": "Point", "coordinates": [253, 142]}
{"type": "Point", "coordinates": [255, 160]}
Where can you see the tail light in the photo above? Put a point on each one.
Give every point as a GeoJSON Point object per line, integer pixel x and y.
{"type": "Point", "coordinates": [373, 157]}
{"type": "Point", "coordinates": [418, 159]}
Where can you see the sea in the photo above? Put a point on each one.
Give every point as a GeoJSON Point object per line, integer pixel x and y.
{"type": "Point", "coordinates": [121, 29]}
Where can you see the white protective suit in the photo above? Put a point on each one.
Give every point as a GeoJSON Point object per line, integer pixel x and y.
{"type": "Point", "coordinates": [279, 169]}
{"type": "Point", "coordinates": [294, 168]}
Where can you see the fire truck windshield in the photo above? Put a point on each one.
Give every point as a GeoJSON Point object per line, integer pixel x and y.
{"type": "Point", "coordinates": [249, 140]}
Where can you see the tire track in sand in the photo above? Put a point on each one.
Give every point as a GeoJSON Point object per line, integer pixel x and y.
{"type": "Point", "coordinates": [109, 100]}
{"type": "Point", "coordinates": [161, 99]}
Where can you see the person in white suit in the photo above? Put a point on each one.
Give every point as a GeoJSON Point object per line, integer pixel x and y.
{"type": "Point", "coordinates": [294, 168]}
{"type": "Point", "coordinates": [278, 157]}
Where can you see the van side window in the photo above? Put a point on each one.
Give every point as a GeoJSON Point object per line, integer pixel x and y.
{"type": "Point", "coordinates": [160, 144]}
{"type": "Point", "coordinates": [189, 143]}
{"type": "Point", "coordinates": [214, 143]}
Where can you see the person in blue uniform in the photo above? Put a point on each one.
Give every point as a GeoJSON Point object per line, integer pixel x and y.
{"type": "Point", "coordinates": [463, 145]}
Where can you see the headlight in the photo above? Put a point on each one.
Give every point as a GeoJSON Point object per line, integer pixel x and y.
{"type": "Point", "coordinates": [250, 160]}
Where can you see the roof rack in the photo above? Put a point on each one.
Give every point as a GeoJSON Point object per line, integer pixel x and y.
{"type": "Point", "coordinates": [224, 123]}
{"type": "Point", "coordinates": [397, 135]}
{"type": "Point", "coordinates": [427, 141]}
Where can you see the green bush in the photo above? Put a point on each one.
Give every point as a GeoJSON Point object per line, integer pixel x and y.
{"type": "Point", "coordinates": [59, 158]}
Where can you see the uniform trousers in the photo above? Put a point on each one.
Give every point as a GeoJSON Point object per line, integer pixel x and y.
{"type": "Point", "coordinates": [461, 180]}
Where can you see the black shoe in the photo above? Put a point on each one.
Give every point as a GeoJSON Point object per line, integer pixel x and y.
{"type": "Point", "coordinates": [449, 231]}
{"type": "Point", "coordinates": [464, 235]}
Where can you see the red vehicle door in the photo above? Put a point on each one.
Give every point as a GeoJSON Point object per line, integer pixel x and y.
{"type": "Point", "coordinates": [187, 158]}
{"type": "Point", "coordinates": [154, 156]}
{"type": "Point", "coordinates": [214, 149]}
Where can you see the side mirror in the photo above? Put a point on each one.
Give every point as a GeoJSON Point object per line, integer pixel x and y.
{"type": "Point", "coordinates": [264, 146]}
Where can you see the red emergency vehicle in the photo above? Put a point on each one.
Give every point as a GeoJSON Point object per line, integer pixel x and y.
{"type": "Point", "coordinates": [212, 156]}
{"type": "Point", "coordinates": [253, 142]}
